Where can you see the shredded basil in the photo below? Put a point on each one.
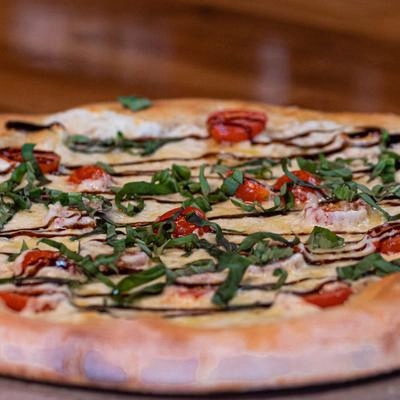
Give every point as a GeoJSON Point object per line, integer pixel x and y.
{"type": "Point", "coordinates": [134, 103]}
{"type": "Point", "coordinates": [84, 144]}
{"type": "Point", "coordinates": [371, 264]}
{"type": "Point", "coordinates": [323, 238]}
{"type": "Point", "coordinates": [282, 275]}
{"type": "Point", "coordinates": [236, 265]}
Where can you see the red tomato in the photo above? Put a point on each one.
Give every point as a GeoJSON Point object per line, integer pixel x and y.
{"type": "Point", "coordinates": [236, 125]}
{"type": "Point", "coordinates": [86, 172]}
{"type": "Point", "coordinates": [48, 161]}
{"type": "Point", "coordinates": [14, 301]}
{"type": "Point", "coordinates": [389, 245]}
{"type": "Point", "coordinates": [300, 193]}
{"type": "Point", "coordinates": [37, 259]}
{"type": "Point", "coordinates": [182, 226]}
{"type": "Point", "coordinates": [251, 190]}
{"type": "Point", "coordinates": [329, 298]}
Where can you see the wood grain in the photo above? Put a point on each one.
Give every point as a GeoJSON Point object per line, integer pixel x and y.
{"type": "Point", "coordinates": [329, 55]}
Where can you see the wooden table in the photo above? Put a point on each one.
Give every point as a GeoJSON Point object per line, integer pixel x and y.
{"type": "Point", "coordinates": [331, 55]}
{"type": "Point", "coordinates": [386, 388]}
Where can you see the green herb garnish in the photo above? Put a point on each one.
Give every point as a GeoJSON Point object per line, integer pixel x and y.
{"type": "Point", "coordinates": [323, 238]}
{"type": "Point", "coordinates": [134, 103]}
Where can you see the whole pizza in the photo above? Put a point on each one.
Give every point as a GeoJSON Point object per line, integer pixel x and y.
{"type": "Point", "coordinates": [182, 246]}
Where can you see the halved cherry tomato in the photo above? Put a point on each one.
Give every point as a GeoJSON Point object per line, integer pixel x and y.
{"type": "Point", "coordinates": [37, 259]}
{"type": "Point", "coordinates": [389, 245]}
{"type": "Point", "coordinates": [48, 161]}
{"type": "Point", "coordinates": [332, 298]}
{"type": "Point", "coordinates": [182, 226]}
{"type": "Point", "coordinates": [300, 193]}
{"type": "Point", "coordinates": [251, 190]}
{"type": "Point", "coordinates": [93, 172]}
{"type": "Point", "coordinates": [15, 301]}
{"type": "Point", "coordinates": [236, 125]}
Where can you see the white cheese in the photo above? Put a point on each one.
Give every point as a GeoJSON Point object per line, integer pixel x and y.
{"type": "Point", "coordinates": [105, 125]}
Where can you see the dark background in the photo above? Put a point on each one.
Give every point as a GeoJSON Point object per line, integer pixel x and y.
{"type": "Point", "coordinates": [325, 54]}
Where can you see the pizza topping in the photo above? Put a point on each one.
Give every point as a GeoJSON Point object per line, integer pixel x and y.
{"type": "Point", "coordinates": [91, 172]}
{"type": "Point", "coordinates": [230, 266]}
{"type": "Point", "coordinates": [59, 217]}
{"type": "Point", "coordinates": [337, 215]}
{"type": "Point", "coordinates": [329, 295]}
{"type": "Point", "coordinates": [322, 238]}
{"type": "Point", "coordinates": [85, 144]}
{"type": "Point", "coordinates": [251, 190]}
{"type": "Point", "coordinates": [134, 103]}
{"type": "Point", "coordinates": [14, 301]}
{"type": "Point", "coordinates": [371, 264]}
{"type": "Point", "coordinates": [236, 125]}
{"type": "Point", "coordinates": [90, 178]}
{"type": "Point", "coordinates": [48, 161]}
{"type": "Point", "coordinates": [389, 245]}
{"type": "Point", "coordinates": [301, 193]}
{"type": "Point", "coordinates": [182, 226]}
{"type": "Point", "coordinates": [368, 136]}
{"type": "Point", "coordinates": [133, 259]}
{"type": "Point", "coordinates": [32, 261]}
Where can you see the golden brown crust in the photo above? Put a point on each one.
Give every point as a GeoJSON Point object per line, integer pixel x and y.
{"type": "Point", "coordinates": [150, 354]}
{"type": "Point", "coordinates": [158, 355]}
{"type": "Point", "coordinates": [181, 110]}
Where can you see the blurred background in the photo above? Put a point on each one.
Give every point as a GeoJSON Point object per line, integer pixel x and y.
{"type": "Point", "coordinates": [325, 54]}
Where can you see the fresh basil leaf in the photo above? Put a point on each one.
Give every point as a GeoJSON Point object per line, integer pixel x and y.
{"type": "Point", "coordinates": [236, 265]}
{"type": "Point", "coordinates": [251, 240]}
{"type": "Point", "coordinates": [29, 158]}
{"type": "Point", "coordinates": [232, 182]}
{"type": "Point", "coordinates": [282, 275]}
{"type": "Point", "coordinates": [139, 278]}
{"type": "Point", "coordinates": [134, 103]}
{"type": "Point", "coordinates": [148, 290]}
{"type": "Point", "coordinates": [323, 238]}
{"type": "Point", "coordinates": [371, 264]}
{"type": "Point", "coordinates": [262, 253]}
{"type": "Point", "coordinates": [204, 185]}
{"type": "Point", "coordinates": [180, 172]}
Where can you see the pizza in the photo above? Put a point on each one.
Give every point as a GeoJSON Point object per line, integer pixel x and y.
{"type": "Point", "coordinates": [188, 246]}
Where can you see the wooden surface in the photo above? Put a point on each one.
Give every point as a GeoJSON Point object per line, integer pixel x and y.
{"type": "Point", "coordinates": [387, 388]}
{"type": "Point", "coordinates": [331, 55]}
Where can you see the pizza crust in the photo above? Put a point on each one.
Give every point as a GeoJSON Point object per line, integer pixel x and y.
{"type": "Point", "coordinates": [356, 340]}
{"type": "Point", "coordinates": [156, 355]}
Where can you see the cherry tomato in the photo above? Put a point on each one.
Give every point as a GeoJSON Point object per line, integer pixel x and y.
{"type": "Point", "coordinates": [300, 193]}
{"type": "Point", "coordinates": [14, 301]}
{"type": "Point", "coordinates": [48, 161]}
{"type": "Point", "coordinates": [87, 172]}
{"type": "Point", "coordinates": [36, 259]}
{"type": "Point", "coordinates": [182, 226]}
{"type": "Point", "coordinates": [236, 125]}
{"type": "Point", "coordinates": [251, 190]}
{"type": "Point", "coordinates": [389, 245]}
{"type": "Point", "coordinates": [332, 298]}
